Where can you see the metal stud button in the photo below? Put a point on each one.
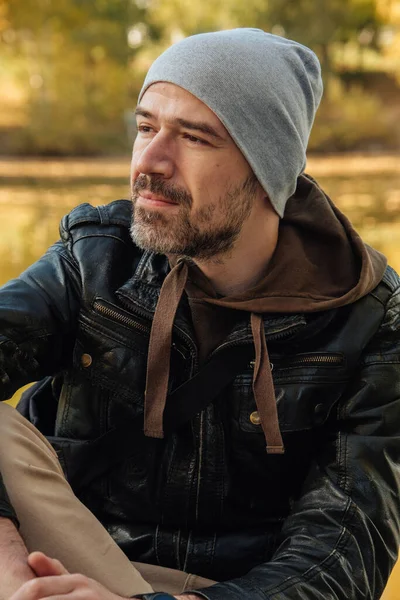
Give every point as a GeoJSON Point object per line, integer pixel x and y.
{"type": "Point", "coordinates": [255, 418]}
{"type": "Point", "coordinates": [86, 360]}
{"type": "Point", "coordinates": [319, 414]}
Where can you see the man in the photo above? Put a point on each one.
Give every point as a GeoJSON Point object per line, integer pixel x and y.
{"type": "Point", "coordinates": [223, 360]}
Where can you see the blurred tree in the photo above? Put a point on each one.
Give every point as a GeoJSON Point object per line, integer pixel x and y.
{"type": "Point", "coordinates": [389, 38]}
{"type": "Point", "coordinates": [321, 24]}
{"type": "Point", "coordinates": [75, 57]}
{"type": "Point", "coordinates": [316, 24]}
{"type": "Point", "coordinates": [184, 17]}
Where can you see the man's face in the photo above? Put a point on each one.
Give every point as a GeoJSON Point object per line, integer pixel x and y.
{"type": "Point", "coordinates": [192, 189]}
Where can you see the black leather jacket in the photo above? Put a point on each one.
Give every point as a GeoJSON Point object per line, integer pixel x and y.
{"type": "Point", "coordinates": [319, 522]}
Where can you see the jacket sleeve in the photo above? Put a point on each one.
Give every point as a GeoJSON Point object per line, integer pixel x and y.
{"type": "Point", "coordinates": [37, 321]}
{"type": "Point", "coordinates": [342, 537]}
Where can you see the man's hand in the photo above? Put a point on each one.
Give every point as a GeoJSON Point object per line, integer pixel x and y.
{"type": "Point", "coordinates": [44, 566]}
{"type": "Point", "coordinates": [73, 587]}
{"type": "Point", "coordinates": [53, 580]}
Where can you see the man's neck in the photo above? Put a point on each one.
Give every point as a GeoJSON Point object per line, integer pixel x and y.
{"type": "Point", "coordinates": [243, 267]}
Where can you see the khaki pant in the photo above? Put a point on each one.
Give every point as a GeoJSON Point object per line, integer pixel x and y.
{"type": "Point", "coordinates": [55, 522]}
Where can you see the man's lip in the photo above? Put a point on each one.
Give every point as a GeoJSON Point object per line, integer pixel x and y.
{"type": "Point", "coordinates": [153, 197]}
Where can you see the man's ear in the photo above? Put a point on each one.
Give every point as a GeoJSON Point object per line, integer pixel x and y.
{"type": "Point", "coordinates": [261, 193]}
{"type": "Point", "coordinates": [268, 204]}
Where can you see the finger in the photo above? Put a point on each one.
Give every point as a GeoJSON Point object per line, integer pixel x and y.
{"type": "Point", "coordinates": [46, 587]}
{"type": "Point", "coordinates": [71, 596]}
{"type": "Point", "coordinates": [44, 566]}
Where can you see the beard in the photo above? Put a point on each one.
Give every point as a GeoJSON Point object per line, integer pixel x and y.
{"type": "Point", "coordinates": [204, 234]}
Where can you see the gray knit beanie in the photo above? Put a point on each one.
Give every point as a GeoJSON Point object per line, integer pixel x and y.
{"type": "Point", "coordinates": [265, 89]}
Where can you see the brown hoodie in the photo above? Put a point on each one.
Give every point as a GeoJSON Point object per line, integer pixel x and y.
{"type": "Point", "coordinates": [320, 263]}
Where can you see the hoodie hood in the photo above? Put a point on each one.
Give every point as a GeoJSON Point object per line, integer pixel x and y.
{"type": "Point", "coordinates": [320, 263]}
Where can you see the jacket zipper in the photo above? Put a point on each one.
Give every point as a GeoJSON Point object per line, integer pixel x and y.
{"type": "Point", "coordinates": [117, 316]}
{"type": "Point", "coordinates": [200, 463]}
{"type": "Point", "coordinates": [179, 332]}
{"type": "Point", "coordinates": [273, 336]}
{"type": "Point", "coordinates": [333, 360]}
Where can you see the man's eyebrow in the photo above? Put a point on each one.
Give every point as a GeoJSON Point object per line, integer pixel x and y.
{"type": "Point", "coordinates": [140, 112]}
{"type": "Point", "coordinates": [192, 125]}
{"type": "Point", "coordinates": [200, 126]}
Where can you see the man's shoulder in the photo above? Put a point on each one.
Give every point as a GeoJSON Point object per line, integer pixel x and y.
{"type": "Point", "coordinates": [387, 302]}
{"type": "Point", "coordinates": [391, 279]}
{"type": "Point", "coordinates": [389, 287]}
{"type": "Point", "coordinates": [90, 234]}
{"type": "Point", "coordinates": [117, 213]}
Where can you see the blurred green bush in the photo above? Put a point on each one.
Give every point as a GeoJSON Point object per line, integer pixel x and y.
{"type": "Point", "coordinates": [351, 118]}
{"type": "Point", "coordinates": [81, 114]}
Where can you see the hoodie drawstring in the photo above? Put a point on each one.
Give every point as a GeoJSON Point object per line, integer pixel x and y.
{"type": "Point", "coordinates": [263, 388]}
{"type": "Point", "coordinates": [159, 356]}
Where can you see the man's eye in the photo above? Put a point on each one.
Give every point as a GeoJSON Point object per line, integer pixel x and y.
{"type": "Point", "coordinates": [195, 140]}
{"type": "Point", "coordinates": [144, 128]}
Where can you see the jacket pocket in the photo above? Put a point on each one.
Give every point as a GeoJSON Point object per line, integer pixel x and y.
{"type": "Point", "coordinates": [307, 387]}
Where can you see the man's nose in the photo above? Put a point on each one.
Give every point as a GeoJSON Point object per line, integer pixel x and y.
{"type": "Point", "coordinates": [155, 158]}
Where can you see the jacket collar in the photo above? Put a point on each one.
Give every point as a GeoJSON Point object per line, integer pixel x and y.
{"type": "Point", "coordinates": [142, 291]}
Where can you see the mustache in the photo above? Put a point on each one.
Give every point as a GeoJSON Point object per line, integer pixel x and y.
{"type": "Point", "coordinates": [155, 185]}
